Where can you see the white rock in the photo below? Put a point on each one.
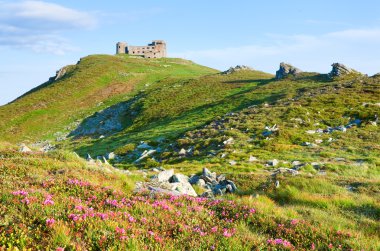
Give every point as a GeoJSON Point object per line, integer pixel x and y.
{"type": "Point", "coordinates": [110, 155]}
{"type": "Point", "coordinates": [318, 141]}
{"type": "Point", "coordinates": [24, 149]}
{"type": "Point", "coordinates": [310, 131]}
{"type": "Point", "coordinates": [228, 141]}
{"type": "Point", "coordinates": [273, 162]}
{"type": "Point", "coordinates": [145, 154]}
{"type": "Point", "coordinates": [296, 163]}
{"type": "Point", "coordinates": [232, 162]}
{"type": "Point", "coordinates": [252, 159]}
{"type": "Point", "coordinates": [164, 176]}
{"type": "Point", "coordinates": [181, 178]}
{"type": "Point", "coordinates": [182, 152]}
{"type": "Point", "coordinates": [185, 188]}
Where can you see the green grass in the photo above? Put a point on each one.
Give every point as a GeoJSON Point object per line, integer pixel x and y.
{"type": "Point", "coordinates": [96, 82]}
{"type": "Point", "coordinates": [189, 106]}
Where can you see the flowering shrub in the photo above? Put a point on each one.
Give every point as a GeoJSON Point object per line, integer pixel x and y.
{"type": "Point", "coordinates": [59, 213]}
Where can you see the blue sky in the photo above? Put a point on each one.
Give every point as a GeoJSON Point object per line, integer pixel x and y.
{"type": "Point", "coordinates": [39, 37]}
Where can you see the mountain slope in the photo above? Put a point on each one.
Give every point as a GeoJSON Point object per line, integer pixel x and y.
{"type": "Point", "coordinates": [303, 151]}
{"type": "Point", "coordinates": [94, 83]}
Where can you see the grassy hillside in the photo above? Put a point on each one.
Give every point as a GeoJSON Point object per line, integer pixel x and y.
{"type": "Point", "coordinates": [304, 152]}
{"type": "Point", "coordinates": [93, 84]}
{"type": "Point", "coordinates": [55, 200]}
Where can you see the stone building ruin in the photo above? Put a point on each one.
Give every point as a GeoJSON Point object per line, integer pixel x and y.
{"type": "Point", "coordinates": [156, 49]}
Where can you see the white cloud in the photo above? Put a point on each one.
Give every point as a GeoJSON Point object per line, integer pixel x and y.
{"type": "Point", "coordinates": [357, 48]}
{"type": "Point", "coordinates": [39, 25]}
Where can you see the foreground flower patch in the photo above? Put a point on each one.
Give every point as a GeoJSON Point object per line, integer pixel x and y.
{"type": "Point", "coordinates": [74, 214]}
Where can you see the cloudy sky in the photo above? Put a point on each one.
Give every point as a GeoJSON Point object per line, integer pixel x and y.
{"type": "Point", "coordinates": [39, 37]}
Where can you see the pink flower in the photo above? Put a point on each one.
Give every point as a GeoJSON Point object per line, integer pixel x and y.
{"type": "Point", "coordinates": [294, 222]}
{"type": "Point", "coordinates": [48, 201]}
{"type": "Point", "coordinates": [59, 249]}
{"type": "Point", "coordinates": [214, 229]}
{"type": "Point", "coordinates": [20, 192]}
{"type": "Point", "coordinates": [120, 230]}
{"type": "Point", "coordinates": [312, 246]}
{"type": "Point", "coordinates": [252, 211]}
{"type": "Point", "coordinates": [331, 245]}
{"type": "Point", "coordinates": [74, 217]}
{"type": "Point", "coordinates": [143, 220]}
{"type": "Point", "coordinates": [25, 200]}
{"type": "Point", "coordinates": [226, 233]}
{"type": "Point", "coordinates": [50, 222]}
{"type": "Point", "coordinates": [158, 238]}
{"type": "Point", "coordinates": [151, 233]}
{"type": "Point", "coordinates": [278, 241]}
{"type": "Point", "coordinates": [79, 207]}
{"type": "Point", "coordinates": [131, 219]}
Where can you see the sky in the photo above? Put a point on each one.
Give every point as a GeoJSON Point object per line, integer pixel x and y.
{"type": "Point", "coordinates": [39, 37]}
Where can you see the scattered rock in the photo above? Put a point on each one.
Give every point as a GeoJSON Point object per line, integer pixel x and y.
{"type": "Point", "coordinates": [252, 159]}
{"type": "Point", "coordinates": [143, 145]}
{"type": "Point", "coordinates": [229, 141]}
{"type": "Point", "coordinates": [182, 152]}
{"type": "Point", "coordinates": [286, 70]}
{"type": "Point", "coordinates": [318, 141]}
{"type": "Point", "coordinates": [110, 155]}
{"type": "Point", "coordinates": [89, 158]}
{"type": "Point", "coordinates": [181, 178]}
{"type": "Point", "coordinates": [232, 162]}
{"type": "Point", "coordinates": [145, 154]}
{"type": "Point", "coordinates": [269, 130]}
{"type": "Point", "coordinates": [296, 163]}
{"type": "Point", "coordinates": [284, 170]}
{"type": "Point", "coordinates": [277, 184]}
{"type": "Point", "coordinates": [165, 175]}
{"type": "Point", "coordinates": [273, 162]}
{"type": "Point", "coordinates": [105, 161]}
{"type": "Point", "coordinates": [24, 149]}
{"type": "Point", "coordinates": [311, 132]}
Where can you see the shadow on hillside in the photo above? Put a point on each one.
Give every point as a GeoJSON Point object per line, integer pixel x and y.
{"type": "Point", "coordinates": [314, 77]}
{"type": "Point", "coordinates": [248, 81]}
{"type": "Point", "coordinates": [171, 128]}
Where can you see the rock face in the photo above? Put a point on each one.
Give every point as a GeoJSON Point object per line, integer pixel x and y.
{"type": "Point", "coordinates": [237, 68]}
{"type": "Point", "coordinates": [339, 70]}
{"type": "Point", "coordinates": [104, 122]}
{"type": "Point", "coordinates": [286, 70]}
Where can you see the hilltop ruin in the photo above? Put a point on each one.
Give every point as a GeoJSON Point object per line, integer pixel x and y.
{"type": "Point", "coordinates": [156, 49]}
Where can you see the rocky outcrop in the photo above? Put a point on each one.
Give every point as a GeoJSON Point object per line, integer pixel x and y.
{"type": "Point", "coordinates": [339, 70]}
{"type": "Point", "coordinates": [104, 122]}
{"type": "Point", "coordinates": [169, 183]}
{"type": "Point", "coordinates": [286, 70]}
{"type": "Point", "coordinates": [237, 68]}
{"type": "Point", "coordinates": [172, 183]}
{"type": "Point", "coordinates": [212, 183]}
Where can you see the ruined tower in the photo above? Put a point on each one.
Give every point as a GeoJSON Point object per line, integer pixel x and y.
{"type": "Point", "coordinates": [156, 49]}
{"type": "Point", "coordinates": [121, 47]}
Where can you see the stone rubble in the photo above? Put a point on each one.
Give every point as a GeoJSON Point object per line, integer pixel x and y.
{"type": "Point", "coordinates": [179, 184]}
